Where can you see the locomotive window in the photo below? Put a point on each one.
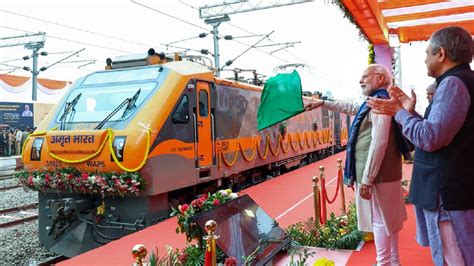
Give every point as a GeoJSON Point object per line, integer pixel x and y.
{"type": "Point", "coordinates": [35, 154]}
{"type": "Point", "coordinates": [203, 103]}
{"type": "Point", "coordinates": [181, 114]}
{"type": "Point", "coordinates": [98, 102]}
{"type": "Point", "coordinates": [123, 75]}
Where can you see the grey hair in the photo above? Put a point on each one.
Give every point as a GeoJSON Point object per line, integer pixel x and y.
{"type": "Point", "coordinates": [431, 87]}
{"type": "Point", "coordinates": [456, 41]}
{"type": "Point", "coordinates": [381, 69]}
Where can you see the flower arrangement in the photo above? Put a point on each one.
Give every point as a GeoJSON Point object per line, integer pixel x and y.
{"type": "Point", "coordinates": [203, 203]}
{"type": "Point", "coordinates": [338, 232]}
{"type": "Point", "coordinates": [71, 180]}
{"type": "Point", "coordinates": [191, 255]}
{"type": "Point", "coordinates": [324, 262]}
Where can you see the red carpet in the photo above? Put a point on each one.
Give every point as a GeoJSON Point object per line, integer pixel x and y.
{"type": "Point", "coordinates": [410, 252]}
{"type": "Point", "coordinates": [287, 198]}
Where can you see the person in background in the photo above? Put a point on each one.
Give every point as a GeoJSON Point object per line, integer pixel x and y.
{"type": "Point", "coordinates": [430, 91]}
{"type": "Point", "coordinates": [18, 136]}
{"type": "Point", "coordinates": [374, 164]}
{"type": "Point", "coordinates": [2, 143]}
{"type": "Point", "coordinates": [27, 111]}
{"type": "Point", "coordinates": [11, 142]}
{"type": "Point", "coordinates": [6, 140]}
{"type": "Point", "coordinates": [442, 180]}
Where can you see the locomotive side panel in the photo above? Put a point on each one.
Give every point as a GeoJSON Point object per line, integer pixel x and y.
{"type": "Point", "coordinates": [240, 147]}
{"type": "Point", "coordinates": [171, 164]}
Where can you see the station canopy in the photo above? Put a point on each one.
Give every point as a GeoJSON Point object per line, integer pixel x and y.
{"type": "Point", "coordinates": [410, 20]}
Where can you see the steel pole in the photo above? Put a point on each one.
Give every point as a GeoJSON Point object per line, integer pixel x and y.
{"type": "Point", "coordinates": [215, 32]}
{"type": "Point", "coordinates": [35, 74]}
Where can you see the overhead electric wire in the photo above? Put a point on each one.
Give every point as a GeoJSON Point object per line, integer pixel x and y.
{"type": "Point", "coordinates": [57, 62]}
{"type": "Point", "coordinates": [200, 27]}
{"type": "Point", "coordinates": [168, 15]}
{"type": "Point", "coordinates": [250, 47]}
{"type": "Point", "coordinates": [270, 54]}
{"type": "Point", "coordinates": [73, 41]}
{"type": "Point", "coordinates": [11, 60]}
{"type": "Point", "coordinates": [75, 28]}
{"type": "Point", "coordinates": [137, 43]}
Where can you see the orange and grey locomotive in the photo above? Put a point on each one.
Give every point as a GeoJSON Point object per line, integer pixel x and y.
{"type": "Point", "coordinates": [128, 143]}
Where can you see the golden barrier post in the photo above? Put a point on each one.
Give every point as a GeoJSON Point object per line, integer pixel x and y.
{"type": "Point", "coordinates": [323, 197]}
{"type": "Point", "coordinates": [210, 258]}
{"type": "Point", "coordinates": [316, 199]}
{"type": "Point", "coordinates": [341, 184]}
{"type": "Point", "coordinates": [139, 253]}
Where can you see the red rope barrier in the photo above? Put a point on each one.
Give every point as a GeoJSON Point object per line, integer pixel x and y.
{"type": "Point", "coordinates": [321, 218]}
{"type": "Point", "coordinates": [337, 189]}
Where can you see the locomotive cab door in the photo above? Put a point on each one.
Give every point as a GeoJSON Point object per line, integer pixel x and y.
{"type": "Point", "coordinates": [204, 125]}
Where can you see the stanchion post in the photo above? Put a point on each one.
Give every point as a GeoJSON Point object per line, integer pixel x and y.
{"type": "Point", "coordinates": [341, 184]}
{"type": "Point", "coordinates": [139, 253]}
{"type": "Point", "coordinates": [211, 257]}
{"type": "Point", "coordinates": [322, 177]}
{"type": "Point", "coordinates": [316, 199]}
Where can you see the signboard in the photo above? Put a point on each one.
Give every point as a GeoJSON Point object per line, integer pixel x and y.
{"type": "Point", "coordinates": [16, 115]}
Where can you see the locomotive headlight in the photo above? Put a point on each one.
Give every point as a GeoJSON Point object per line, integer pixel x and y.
{"type": "Point", "coordinates": [118, 146]}
{"type": "Point", "coordinates": [35, 154]}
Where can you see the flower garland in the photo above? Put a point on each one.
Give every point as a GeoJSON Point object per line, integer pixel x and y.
{"type": "Point", "coordinates": [203, 203]}
{"type": "Point", "coordinates": [71, 180]}
{"type": "Point", "coordinates": [371, 54]}
{"type": "Point", "coordinates": [347, 14]}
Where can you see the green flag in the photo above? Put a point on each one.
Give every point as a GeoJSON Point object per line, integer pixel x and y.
{"type": "Point", "coordinates": [281, 99]}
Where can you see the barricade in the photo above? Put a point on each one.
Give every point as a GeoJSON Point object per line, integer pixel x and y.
{"type": "Point", "coordinates": [320, 196]}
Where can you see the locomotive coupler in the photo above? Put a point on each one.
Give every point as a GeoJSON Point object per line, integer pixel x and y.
{"type": "Point", "coordinates": [63, 212]}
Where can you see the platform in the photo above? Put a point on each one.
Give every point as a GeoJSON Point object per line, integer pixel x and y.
{"type": "Point", "coordinates": [8, 165]}
{"type": "Point", "coordinates": [288, 198]}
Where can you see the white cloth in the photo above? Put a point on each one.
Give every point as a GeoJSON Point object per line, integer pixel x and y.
{"type": "Point", "coordinates": [18, 136]}
{"type": "Point", "coordinates": [391, 205]}
{"type": "Point", "coordinates": [386, 244]}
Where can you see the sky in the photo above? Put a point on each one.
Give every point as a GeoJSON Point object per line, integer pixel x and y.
{"type": "Point", "coordinates": [328, 44]}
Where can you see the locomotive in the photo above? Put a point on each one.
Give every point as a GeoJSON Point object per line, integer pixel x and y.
{"type": "Point", "coordinates": [173, 123]}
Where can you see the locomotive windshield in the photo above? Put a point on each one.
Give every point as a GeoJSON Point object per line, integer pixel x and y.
{"type": "Point", "coordinates": [102, 92]}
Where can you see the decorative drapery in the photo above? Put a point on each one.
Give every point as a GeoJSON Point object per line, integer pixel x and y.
{"type": "Point", "coordinates": [18, 89]}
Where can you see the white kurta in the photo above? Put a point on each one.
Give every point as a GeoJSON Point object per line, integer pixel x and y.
{"type": "Point", "coordinates": [388, 195]}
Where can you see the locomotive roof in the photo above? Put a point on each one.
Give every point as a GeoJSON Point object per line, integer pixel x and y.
{"type": "Point", "coordinates": [187, 68]}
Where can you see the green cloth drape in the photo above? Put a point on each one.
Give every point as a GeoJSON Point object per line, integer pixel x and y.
{"type": "Point", "coordinates": [281, 99]}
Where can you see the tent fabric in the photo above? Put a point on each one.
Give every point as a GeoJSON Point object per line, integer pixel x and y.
{"type": "Point", "coordinates": [282, 98]}
{"type": "Point", "coordinates": [412, 20]}
{"type": "Point", "coordinates": [19, 89]}
{"type": "Point", "coordinates": [18, 81]}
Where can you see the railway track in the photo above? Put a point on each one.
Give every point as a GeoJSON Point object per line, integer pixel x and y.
{"type": "Point", "coordinates": [9, 187]}
{"type": "Point", "coordinates": [6, 177]}
{"type": "Point", "coordinates": [53, 260]}
{"type": "Point", "coordinates": [18, 215]}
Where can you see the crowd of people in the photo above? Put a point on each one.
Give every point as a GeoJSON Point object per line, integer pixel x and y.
{"type": "Point", "coordinates": [383, 127]}
{"type": "Point", "coordinates": [12, 139]}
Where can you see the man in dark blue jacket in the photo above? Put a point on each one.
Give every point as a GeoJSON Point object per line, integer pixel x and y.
{"type": "Point", "coordinates": [442, 182]}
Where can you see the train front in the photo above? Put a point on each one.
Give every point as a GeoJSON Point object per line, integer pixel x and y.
{"type": "Point", "coordinates": [86, 157]}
